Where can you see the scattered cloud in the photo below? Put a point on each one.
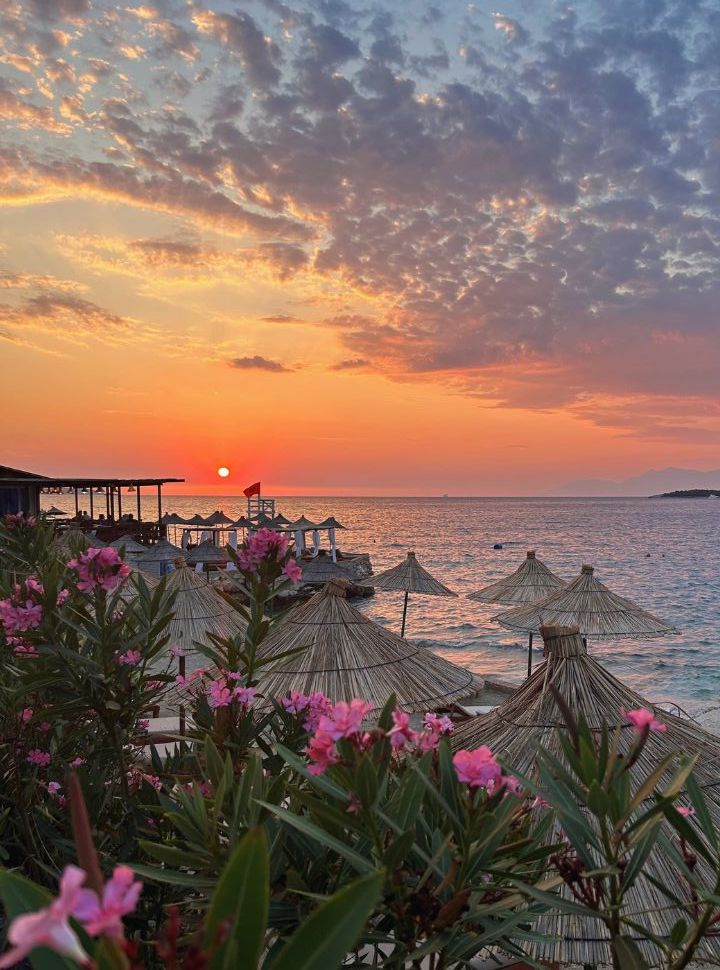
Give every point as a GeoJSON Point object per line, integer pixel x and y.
{"type": "Point", "coordinates": [351, 363]}
{"type": "Point", "coordinates": [258, 363]}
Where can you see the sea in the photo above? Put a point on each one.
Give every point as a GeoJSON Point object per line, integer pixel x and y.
{"type": "Point", "coordinates": [662, 553]}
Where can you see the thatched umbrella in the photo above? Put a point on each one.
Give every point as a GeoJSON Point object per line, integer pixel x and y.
{"type": "Point", "coordinates": [348, 655]}
{"type": "Point", "coordinates": [331, 523]}
{"type": "Point", "coordinates": [158, 559]}
{"type": "Point", "coordinates": [280, 520]}
{"type": "Point", "coordinates": [172, 518]}
{"type": "Point", "coordinates": [408, 577]}
{"type": "Point", "coordinates": [75, 537]}
{"type": "Point", "coordinates": [303, 525]}
{"type": "Point", "coordinates": [199, 609]}
{"type": "Point", "coordinates": [54, 510]}
{"type": "Point", "coordinates": [207, 552]}
{"type": "Point", "coordinates": [218, 518]}
{"type": "Point", "coordinates": [531, 717]}
{"type": "Point", "coordinates": [131, 546]}
{"type": "Point", "coordinates": [322, 569]}
{"type": "Point", "coordinates": [128, 590]}
{"type": "Point", "coordinates": [589, 605]}
{"type": "Point", "coordinates": [531, 582]}
{"type": "Point", "coordinates": [196, 519]}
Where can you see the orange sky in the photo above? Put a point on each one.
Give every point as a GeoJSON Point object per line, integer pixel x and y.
{"type": "Point", "coordinates": [189, 278]}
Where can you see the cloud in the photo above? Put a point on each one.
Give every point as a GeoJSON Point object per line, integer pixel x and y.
{"type": "Point", "coordinates": [258, 363]}
{"type": "Point", "coordinates": [351, 363]}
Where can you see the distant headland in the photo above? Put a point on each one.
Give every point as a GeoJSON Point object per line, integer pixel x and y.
{"type": "Point", "coordinates": [691, 493]}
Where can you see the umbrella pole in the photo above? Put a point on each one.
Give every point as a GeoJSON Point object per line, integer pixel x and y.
{"type": "Point", "coordinates": [530, 654]}
{"type": "Point", "coordinates": [402, 629]}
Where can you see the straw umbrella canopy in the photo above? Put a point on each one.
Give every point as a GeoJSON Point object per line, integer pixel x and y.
{"type": "Point", "coordinates": [218, 518]}
{"type": "Point", "coordinates": [589, 605]}
{"type": "Point", "coordinates": [531, 582]}
{"type": "Point", "coordinates": [128, 590]}
{"type": "Point", "coordinates": [331, 523]}
{"type": "Point", "coordinates": [408, 577]}
{"type": "Point", "coordinates": [131, 546]}
{"type": "Point", "coordinates": [242, 523]}
{"type": "Point", "coordinates": [197, 519]}
{"type": "Point", "coordinates": [75, 537]}
{"type": "Point", "coordinates": [206, 552]}
{"type": "Point", "coordinates": [303, 525]}
{"type": "Point", "coordinates": [280, 520]}
{"type": "Point", "coordinates": [172, 518]}
{"type": "Point", "coordinates": [531, 718]}
{"type": "Point", "coordinates": [322, 569]}
{"type": "Point", "coordinates": [156, 559]}
{"type": "Point", "coordinates": [54, 510]}
{"type": "Point", "coordinates": [198, 609]}
{"type": "Point", "coordinates": [348, 655]}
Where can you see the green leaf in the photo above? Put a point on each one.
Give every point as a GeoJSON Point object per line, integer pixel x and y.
{"type": "Point", "coordinates": [357, 861]}
{"type": "Point", "coordinates": [628, 955]}
{"type": "Point", "coordinates": [242, 900]}
{"type": "Point", "coordinates": [597, 799]}
{"type": "Point", "coordinates": [367, 782]}
{"type": "Point", "coordinates": [18, 896]}
{"type": "Point", "coordinates": [678, 932]}
{"type": "Point", "coordinates": [333, 929]}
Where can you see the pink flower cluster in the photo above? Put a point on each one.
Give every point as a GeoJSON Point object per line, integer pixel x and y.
{"type": "Point", "coordinates": [99, 569]}
{"type": "Point", "coordinates": [131, 658]}
{"type": "Point", "coordinates": [21, 611]}
{"type": "Point", "coordinates": [311, 706]}
{"type": "Point", "coordinates": [50, 927]}
{"type": "Point", "coordinates": [478, 768]}
{"type": "Point", "coordinates": [331, 722]}
{"type": "Point", "coordinates": [19, 520]}
{"type": "Point", "coordinates": [221, 694]}
{"type": "Point", "coordinates": [267, 545]}
{"type": "Point", "coordinates": [40, 758]}
{"type": "Point", "coordinates": [644, 721]}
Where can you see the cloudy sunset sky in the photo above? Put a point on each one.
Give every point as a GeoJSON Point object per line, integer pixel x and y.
{"type": "Point", "coordinates": [395, 247]}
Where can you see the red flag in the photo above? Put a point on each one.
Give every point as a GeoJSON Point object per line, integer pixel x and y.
{"type": "Point", "coordinates": [252, 490]}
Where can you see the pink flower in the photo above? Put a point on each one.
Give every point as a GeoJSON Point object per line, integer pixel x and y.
{"type": "Point", "coordinates": [322, 752]}
{"type": "Point", "coordinates": [644, 720]}
{"type": "Point", "coordinates": [477, 768]}
{"type": "Point", "coordinates": [53, 787]}
{"type": "Point", "coordinates": [176, 650]}
{"type": "Point", "coordinates": [40, 758]}
{"type": "Point", "coordinates": [131, 658]}
{"type": "Point", "coordinates": [34, 584]}
{"type": "Point", "coordinates": [401, 733]}
{"type": "Point", "coordinates": [62, 596]}
{"type": "Point", "coordinates": [143, 725]}
{"type": "Point", "coordinates": [687, 811]}
{"type": "Point", "coordinates": [191, 677]}
{"type": "Point", "coordinates": [345, 719]}
{"type": "Point", "coordinates": [104, 916]}
{"type": "Point", "coordinates": [245, 695]}
{"type": "Point", "coordinates": [152, 780]}
{"type": "Point", "coordinates": [512, 785]}
{"type": "Point", "coordinates": [99, 569]}
{"type": "Point", "coordinates": [26, 715]}
{"type": "Point", "coordinates": [219, 695]}
{"type": "Point", "coordinates": [49, 926]}
{"type": "Point", "coordinates": [76, 762]}
{"type": "Point", "coordinates": [438, 724]}
{"type": "Point", "coordinates": [19, 520]}
{"type": "Point", "coordinates": [292, 571]}
{"type": "Point", "coordinates": [44, 726]}
{"type": "Point", "coordinates": [260, 545]}
{"type": "Point", "coordinates": [318, 705]}
{"type": "Point", "coordinates": [23, 649]}
{"type": "Point", "coordinates": [296, 703]}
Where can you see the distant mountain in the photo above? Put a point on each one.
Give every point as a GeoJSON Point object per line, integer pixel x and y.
{"type": "Point", "coordinates": [649, 483]}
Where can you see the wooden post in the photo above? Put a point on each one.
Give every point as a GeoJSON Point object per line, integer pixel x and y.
{"type": "Point", "coordinates": [77, 507]}
{"type": "Point", "coordinates": [92, 512]}
{"type": "Point", "coordinates": [181, 721]}
{"type": "Point", "coordinates": [402, 630]}
{"type": "Point", "coordinates": [119, 503]}
{"type": "Point", "coordinates": [139, 513]}
{"type": "Point", "coordinates": [159, 497]}
{"type": "Point", "coordinates": [530, 641]}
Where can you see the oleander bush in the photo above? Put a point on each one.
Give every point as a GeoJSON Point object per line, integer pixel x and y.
{"type": "Point", "coordinates": [291, 832]}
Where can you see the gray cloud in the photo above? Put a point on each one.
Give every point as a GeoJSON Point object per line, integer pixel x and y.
{"type": "Point", "coordinates": [258, 363]}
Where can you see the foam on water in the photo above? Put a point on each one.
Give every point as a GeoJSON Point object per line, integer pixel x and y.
{"type": "Point", "coordinates": [663, 553]}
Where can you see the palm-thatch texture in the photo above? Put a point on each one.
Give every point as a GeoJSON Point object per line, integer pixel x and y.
{"type": "Point", "coordinates": [408, 577]}
{"type": "Point", "coordinates": [322, 569]}
{"type": "Point", "coordinates": [158, 559]}
{"type": "Point", "coordinates": [218, 518]}
{"type": "Point", "coordinates": [592, 607]}
{"type": "Point", "coordinates": [302, 525]}
{"type": "Point", "coordinates": [76, 537]}
{"type": "Point", "coordinates": [532, 581]}
{"type": "Point", "coordinates": [531, 717]}
{"type": "Point", "coordinates": [207, 551]}
{"type": "Point", "coordinates": [331, 523]}
{"type": "Point", "coordinates": [129, 589]}
{"type": "Point", "coordinates": [199, 609]}
{"type": "Point", "coordinates": [134, 551]}
{"type": "Point", "coordinates": [348, 655]}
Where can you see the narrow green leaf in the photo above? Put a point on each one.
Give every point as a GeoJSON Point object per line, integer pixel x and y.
{"type": "Point", "coordinates": [333, 929]}
{"type": "Point", "coordinates": [357, 861]}
{"type": "Point", "coordinates": [242, 900]}
{"type": "Point", "coordinates": [628, 955]}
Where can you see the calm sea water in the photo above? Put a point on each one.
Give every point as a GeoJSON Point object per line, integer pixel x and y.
{"type": "Point", "coordinates": [663, 553]}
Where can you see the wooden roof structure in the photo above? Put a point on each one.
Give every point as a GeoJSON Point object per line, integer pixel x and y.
{"type": "Point", "coordinates": [531, 718]}
{"type": "Point", "coordinates": [348, 655]}
{"type": "Point", "coordinates": [532, 581]}
{"type": "Point", "coordinates": [592, 607]}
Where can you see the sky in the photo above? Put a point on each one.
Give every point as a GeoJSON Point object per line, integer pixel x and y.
{"type": "Point", "coordinates": [360, 247]}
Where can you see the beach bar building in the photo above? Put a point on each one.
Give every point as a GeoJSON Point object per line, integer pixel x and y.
{"type": "Point", "coordinates": [20, 491]}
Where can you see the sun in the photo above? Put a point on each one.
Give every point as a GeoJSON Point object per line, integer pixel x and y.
{"type": "Point", "coordinates": [223, 472]}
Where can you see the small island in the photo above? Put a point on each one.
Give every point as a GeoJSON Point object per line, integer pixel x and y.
{"type": "Point", "coordinates": [691, 493]}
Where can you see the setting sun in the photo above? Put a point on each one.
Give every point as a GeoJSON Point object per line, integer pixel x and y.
{"type": "Point", "coordinates": [223, 472]}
